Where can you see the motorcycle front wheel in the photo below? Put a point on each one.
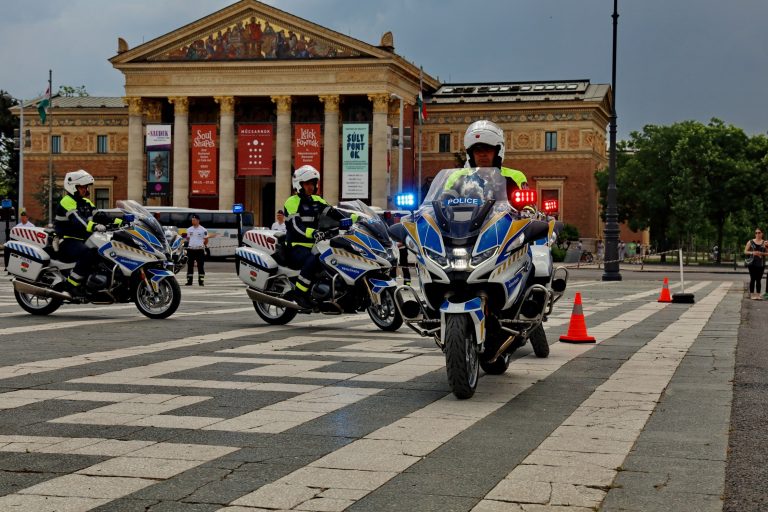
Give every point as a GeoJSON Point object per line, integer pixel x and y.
{"type": "Point", "coordinates": [461, 357]}
{"type": "Point", "coordinates": [385, 315]}
{"type": "Point", "coordinates": [158, 305]}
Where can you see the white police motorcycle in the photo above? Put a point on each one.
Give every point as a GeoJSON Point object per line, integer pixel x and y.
{"type": "Point", "coordinates": [486, 278]}
{"type": "Point", "coordinates": [134, 265]}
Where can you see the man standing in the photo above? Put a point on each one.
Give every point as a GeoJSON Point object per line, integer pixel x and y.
{"type": "Point", "coordinates": [197, 243]}
{"type": "Point", "coordinates": [279, 224]}
{"type": "Point", "coordinates": [24, 220]}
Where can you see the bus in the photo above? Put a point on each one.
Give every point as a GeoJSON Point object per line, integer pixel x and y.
{"type": "Point", "coordinates": [221, 225]}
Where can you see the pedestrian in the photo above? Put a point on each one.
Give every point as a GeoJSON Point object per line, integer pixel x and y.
{"type": "Point", "coordinates": [279, 224]}
{"type": "Point", "coordinates": [622, 249]}
{"type": "Point", "coordinates": [754, 253]}
{"type": "Point", "coordinates": [197, 246]}
{"type": "Point", "coordinates": [24, 220]}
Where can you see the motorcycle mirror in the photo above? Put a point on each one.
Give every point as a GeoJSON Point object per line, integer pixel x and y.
{"type": "Point", "coordinates": [398, 232]}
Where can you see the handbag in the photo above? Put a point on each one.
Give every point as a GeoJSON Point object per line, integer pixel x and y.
{"type": "Point", "coordinates": [749, 260]}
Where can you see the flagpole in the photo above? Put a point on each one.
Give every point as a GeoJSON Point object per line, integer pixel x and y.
{"type": "Point", "coordinates": [50, 142]}
{"type": "Point", "coordinates": [22, 141]}
{"type": "Point", "coordinates": [421, 120]}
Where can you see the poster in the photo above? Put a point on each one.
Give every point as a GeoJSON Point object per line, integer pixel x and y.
{"type": "Point", "coordinates": [354, 161]}
{"type": "Point", "coordinates": [158, 173]}
{"type": "Point", "coordinates": [254, 150]}
{"type": "Point", "coordinates": [159, 137]}
{"type": "Point", "coordinates": [306, 145]}
{"type": "Point", "coordinates": [204, 162]}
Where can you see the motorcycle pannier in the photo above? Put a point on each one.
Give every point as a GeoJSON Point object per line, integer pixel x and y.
{"type": "Point", "coordinates": [26, 260]}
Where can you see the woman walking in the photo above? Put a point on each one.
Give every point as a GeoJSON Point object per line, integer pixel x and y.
{"type": "Point", "coordinates": [755, 254]}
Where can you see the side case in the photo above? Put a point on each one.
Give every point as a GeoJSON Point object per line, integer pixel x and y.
{"type": "Point", "coordinates": [26, 260]}
{"type": "Point", "coordinates": [254, 267]}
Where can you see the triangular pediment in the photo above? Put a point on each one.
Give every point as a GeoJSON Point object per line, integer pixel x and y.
{"type": "Point", "coordinates": [249, 31]}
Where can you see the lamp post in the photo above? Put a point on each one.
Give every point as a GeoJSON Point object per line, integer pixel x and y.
{"type": "Point", "coordinates": [611, 272]}
{"type": "Point", "coordinates": [399, 146]}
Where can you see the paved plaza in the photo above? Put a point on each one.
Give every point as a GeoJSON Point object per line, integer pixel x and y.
{"type": "Point", "coordinates": [213, 410]}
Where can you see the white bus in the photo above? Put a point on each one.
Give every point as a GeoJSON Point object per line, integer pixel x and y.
{"type": "Point", "coordinates": [222, 225]}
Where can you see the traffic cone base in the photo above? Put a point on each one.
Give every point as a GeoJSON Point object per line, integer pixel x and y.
{"type": "Point", "coordinates": [664, 295]}
{"type": "Point", "coordinates": [577, 328]}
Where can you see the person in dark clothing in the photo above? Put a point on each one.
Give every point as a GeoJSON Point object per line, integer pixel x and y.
{"type": "Point", "coordinates": [74, 224]}
{"type": "Point", "coordinates": [755, 253]}
{"type": "Point", "coordinates": [303, 211]}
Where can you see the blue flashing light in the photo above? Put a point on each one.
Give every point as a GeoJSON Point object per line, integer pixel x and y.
{"type": "Point", "coordinates": [406, 200]}
{"type": "Point", "coordinates": [7, 203]}
{"type": "Point", "coordinates": [128, 217]}
{"type": "Point", "coordinates": [238, 208]}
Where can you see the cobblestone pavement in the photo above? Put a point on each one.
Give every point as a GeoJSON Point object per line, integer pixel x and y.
{"type": "Point", "coordinates": [103, 409]}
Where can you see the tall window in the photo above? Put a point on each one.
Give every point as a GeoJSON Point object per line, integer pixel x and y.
{"type": "Point", "coordinates": [56, 144]}
{"type": "Point", "coordinates": [445, 143]}
{"type": "Point", "coordinates": [101, 197]}
{"type": "Point", "coordinates": [101, 144]}
{"type": "Point", "coordinates": [550, 141]}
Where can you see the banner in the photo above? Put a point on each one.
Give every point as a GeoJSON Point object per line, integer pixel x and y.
{"type": "Point", "coordinates": [204, 161]}
{"type": "Point", "coordinates": [254, 150]}
{"type": "Point", "coordinates": [159, 136]}
{"type": "Point", "coordinates": [158, 173]}
{"type": "Point", "coordinates": [306, 145]}
{"type": "Point", "coordinates": [354, 161]}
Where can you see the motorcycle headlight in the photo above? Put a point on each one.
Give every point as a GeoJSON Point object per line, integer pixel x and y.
{"type": "Point", "coordinates": [437, 258]}
{"type": "Point", "coordinates": [459, 259]}
{"type": "Point", "coordinates": [481, 257]}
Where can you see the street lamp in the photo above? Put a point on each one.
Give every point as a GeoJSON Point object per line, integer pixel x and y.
{"type": "Point", "coordinates": [612, 214]}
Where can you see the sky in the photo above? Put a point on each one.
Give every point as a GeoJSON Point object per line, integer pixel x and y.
{"type": "Point", "coordinates": [676, 59]}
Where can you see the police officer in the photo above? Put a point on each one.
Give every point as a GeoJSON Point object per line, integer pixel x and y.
{"type": "Point", "coordinates": [303, 211]}
{"type": "Point", "coordinates": [197, 245]}
{"type": "Point", "coordinates": [74, 224]}
{"type": "Point", "coordinates": [484, 142]}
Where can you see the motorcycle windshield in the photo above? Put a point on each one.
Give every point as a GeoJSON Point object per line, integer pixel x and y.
{"type": "Point", "coordinates": [462, 199]}
{"type": "Point", "coordinates": [144, 219]}
{"type": "Point", "coordinates": [368, 218]}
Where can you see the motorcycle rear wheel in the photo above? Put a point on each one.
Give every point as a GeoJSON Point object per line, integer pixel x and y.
{"type": "Point", "coordinates": [539, 342]}
{"type": "Point", "coordinates": [161, 305]}
{"type": "Point", "coordinates": [275, 315]}
{"type": "Point", "coordinates": [386, 316]}
{"type": "Point", "coordinates": [461, 358]}
{"type": "Point", "coordinates": [35, 305]}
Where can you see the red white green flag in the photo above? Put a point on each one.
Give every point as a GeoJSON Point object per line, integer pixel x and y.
{"type": "Point", "coordinates": [42, 106]}
{"type": "Point", "coordinates": [422, 107]}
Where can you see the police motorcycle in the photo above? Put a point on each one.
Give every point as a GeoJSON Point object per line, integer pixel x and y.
{"type": "Point", "coordinates": [133, 265]}
{"type": "Point", "coordinates": [178, 255]}
{"type": "Point", "coordinates": [355, 276]}
{"type": "Point", "coordinates": [486, 278]}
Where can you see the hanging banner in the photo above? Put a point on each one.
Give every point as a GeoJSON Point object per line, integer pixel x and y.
{"type": "Point", "coordinates": [354, 161]}
{"type": "Point", "coordinates": [159, 136]}
{"type": "Point", "coordinates": [204, 162]}
{"type": "Point", "coordinates": [158, 173]}
{"type": "Point", "coordinates": [306, 145]}
{"type": "Point", "coordinates": [254, 150]}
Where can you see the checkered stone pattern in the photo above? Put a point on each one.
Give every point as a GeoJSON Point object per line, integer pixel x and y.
{"type": "Point", "coordinates": [217, 411]}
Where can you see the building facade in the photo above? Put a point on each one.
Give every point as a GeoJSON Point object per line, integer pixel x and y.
{"type": "Point", "coordinates": [250, 92]}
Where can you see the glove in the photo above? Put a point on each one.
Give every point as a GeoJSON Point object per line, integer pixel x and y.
{"type": "Point", "coordinates": [207, 252]}
{"type": "Point", "coordinates": [100, 228]}
{"type": "Point", "coordinates": [319, 236]}
{"type": "Point", "coordinates": [345, 223]}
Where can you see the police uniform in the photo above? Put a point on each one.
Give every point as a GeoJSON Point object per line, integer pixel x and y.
{"type": "Point", "coordinates": [74, 224]}
{"type": "Point", "coordinates": [196, 243]}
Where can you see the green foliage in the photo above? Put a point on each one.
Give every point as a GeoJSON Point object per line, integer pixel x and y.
{"type": "Point", "coordinates": [558, 254]}
{"type": "Point", "coordinates": [9, 157]}
{"type": "Point", "coordinates": [569, 233]}
{"type": "Point", "coordinates": [69, 91]}
{"type": "Point", "coordinates": [40, 195]}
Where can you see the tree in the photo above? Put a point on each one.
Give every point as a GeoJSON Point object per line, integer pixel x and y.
{"type": "Point", "coordinates": [9, 159]}
{"type": "Point", "coordinates": [69, 91]}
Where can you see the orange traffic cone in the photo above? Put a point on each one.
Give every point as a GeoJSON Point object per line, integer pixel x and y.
{"type": "Point", "coordinates": [577, 329]}
{"type": "Point", "coordinates": [664, 296]}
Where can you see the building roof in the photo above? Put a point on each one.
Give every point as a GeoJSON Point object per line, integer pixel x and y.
{"type": "Point", "coordinates": [80, 102]}
{"type": "Point", "coordinates": [503, 92]}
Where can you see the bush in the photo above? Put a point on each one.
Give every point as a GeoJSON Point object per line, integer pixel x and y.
{"type": "Point", "coordinates": [558, 254]}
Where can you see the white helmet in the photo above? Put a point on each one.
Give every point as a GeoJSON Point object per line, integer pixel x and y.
{"type": "Point", "coordinates": [302, 174]}
{"type": "Point", "coordinates": [484, 132]}
{"type": "Point", "coordinates": [75, 178]}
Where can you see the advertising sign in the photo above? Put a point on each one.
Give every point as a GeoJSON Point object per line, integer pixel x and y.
{"type": "Point", "coordinates": [158, 173]}
{"type": "Point", "coordinates": [306, 145]}
{"type": "Point", "coordinates": [204, 161]}
{"type": "Point", "coordinates": [254, 150]}
{"type": "Point", "coordinates": [159, 136]}
{"type": "Point", "coordinates": [354, 161]}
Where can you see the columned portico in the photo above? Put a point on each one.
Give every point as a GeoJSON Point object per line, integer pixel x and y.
{"type": "Point", "coordinates": [226, 151]}
{"type": "Point", "coordinates": [135, 149]}
{"type": "Point", "coordinates": [379, 190]}
{"type": "Point", "coordinates": [283, 149]}
{"type": "Point", "coordinates": [330, 181]}
{"type": "Point", "coordinates": [180, 150]}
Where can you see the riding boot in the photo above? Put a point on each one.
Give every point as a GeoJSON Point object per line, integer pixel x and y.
{"type": "Point", "coordinates": [189, 280]}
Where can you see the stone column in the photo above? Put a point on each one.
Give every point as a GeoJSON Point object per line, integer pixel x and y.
{"type": "Point", "coordinates": [330, 174]}
{"type": "Point", "coordinates": [283, 149]}
{"type": "Point", "coordinates": [135, 184]}
{"type": "Point", "coordinates": [226, 151]}
{"type": "Point", "coordinates": [379, 190]}
{"type": "Point", "coordinates": [180, 150]}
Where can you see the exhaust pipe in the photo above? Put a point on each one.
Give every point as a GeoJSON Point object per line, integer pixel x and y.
{"type": "Point", "coordinates": [39, 291]}
{"type": "Point", "coordinates": [270, 299]}
{"type": "Point", "coordinates": [410, 308]}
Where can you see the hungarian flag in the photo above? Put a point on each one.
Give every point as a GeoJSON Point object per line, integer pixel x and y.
{"type": "Point", "coordinates": [422, 108]}
{"type": "Point", "coordinates": [42, 106]}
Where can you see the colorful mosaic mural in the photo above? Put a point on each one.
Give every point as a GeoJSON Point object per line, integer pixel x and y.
{"type": "Point", "coordinates": [255, 38]}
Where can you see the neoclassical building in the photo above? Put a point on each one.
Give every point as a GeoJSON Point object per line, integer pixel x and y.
{"type": "Point", "coordinates": [250, 92]}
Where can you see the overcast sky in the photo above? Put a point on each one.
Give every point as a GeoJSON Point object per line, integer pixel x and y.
{"type": "Point", "coordinates": [677, 59]}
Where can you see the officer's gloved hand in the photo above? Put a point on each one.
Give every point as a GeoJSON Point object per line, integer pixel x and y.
{"type": "Point", "coordinates": [345, 223]}
{"type": "Point", "coordinates": [207, 252]}
{"type": "Point", "coordinates": [100, 228]}
{"type": "Point", "coordinates": [319, 236]}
